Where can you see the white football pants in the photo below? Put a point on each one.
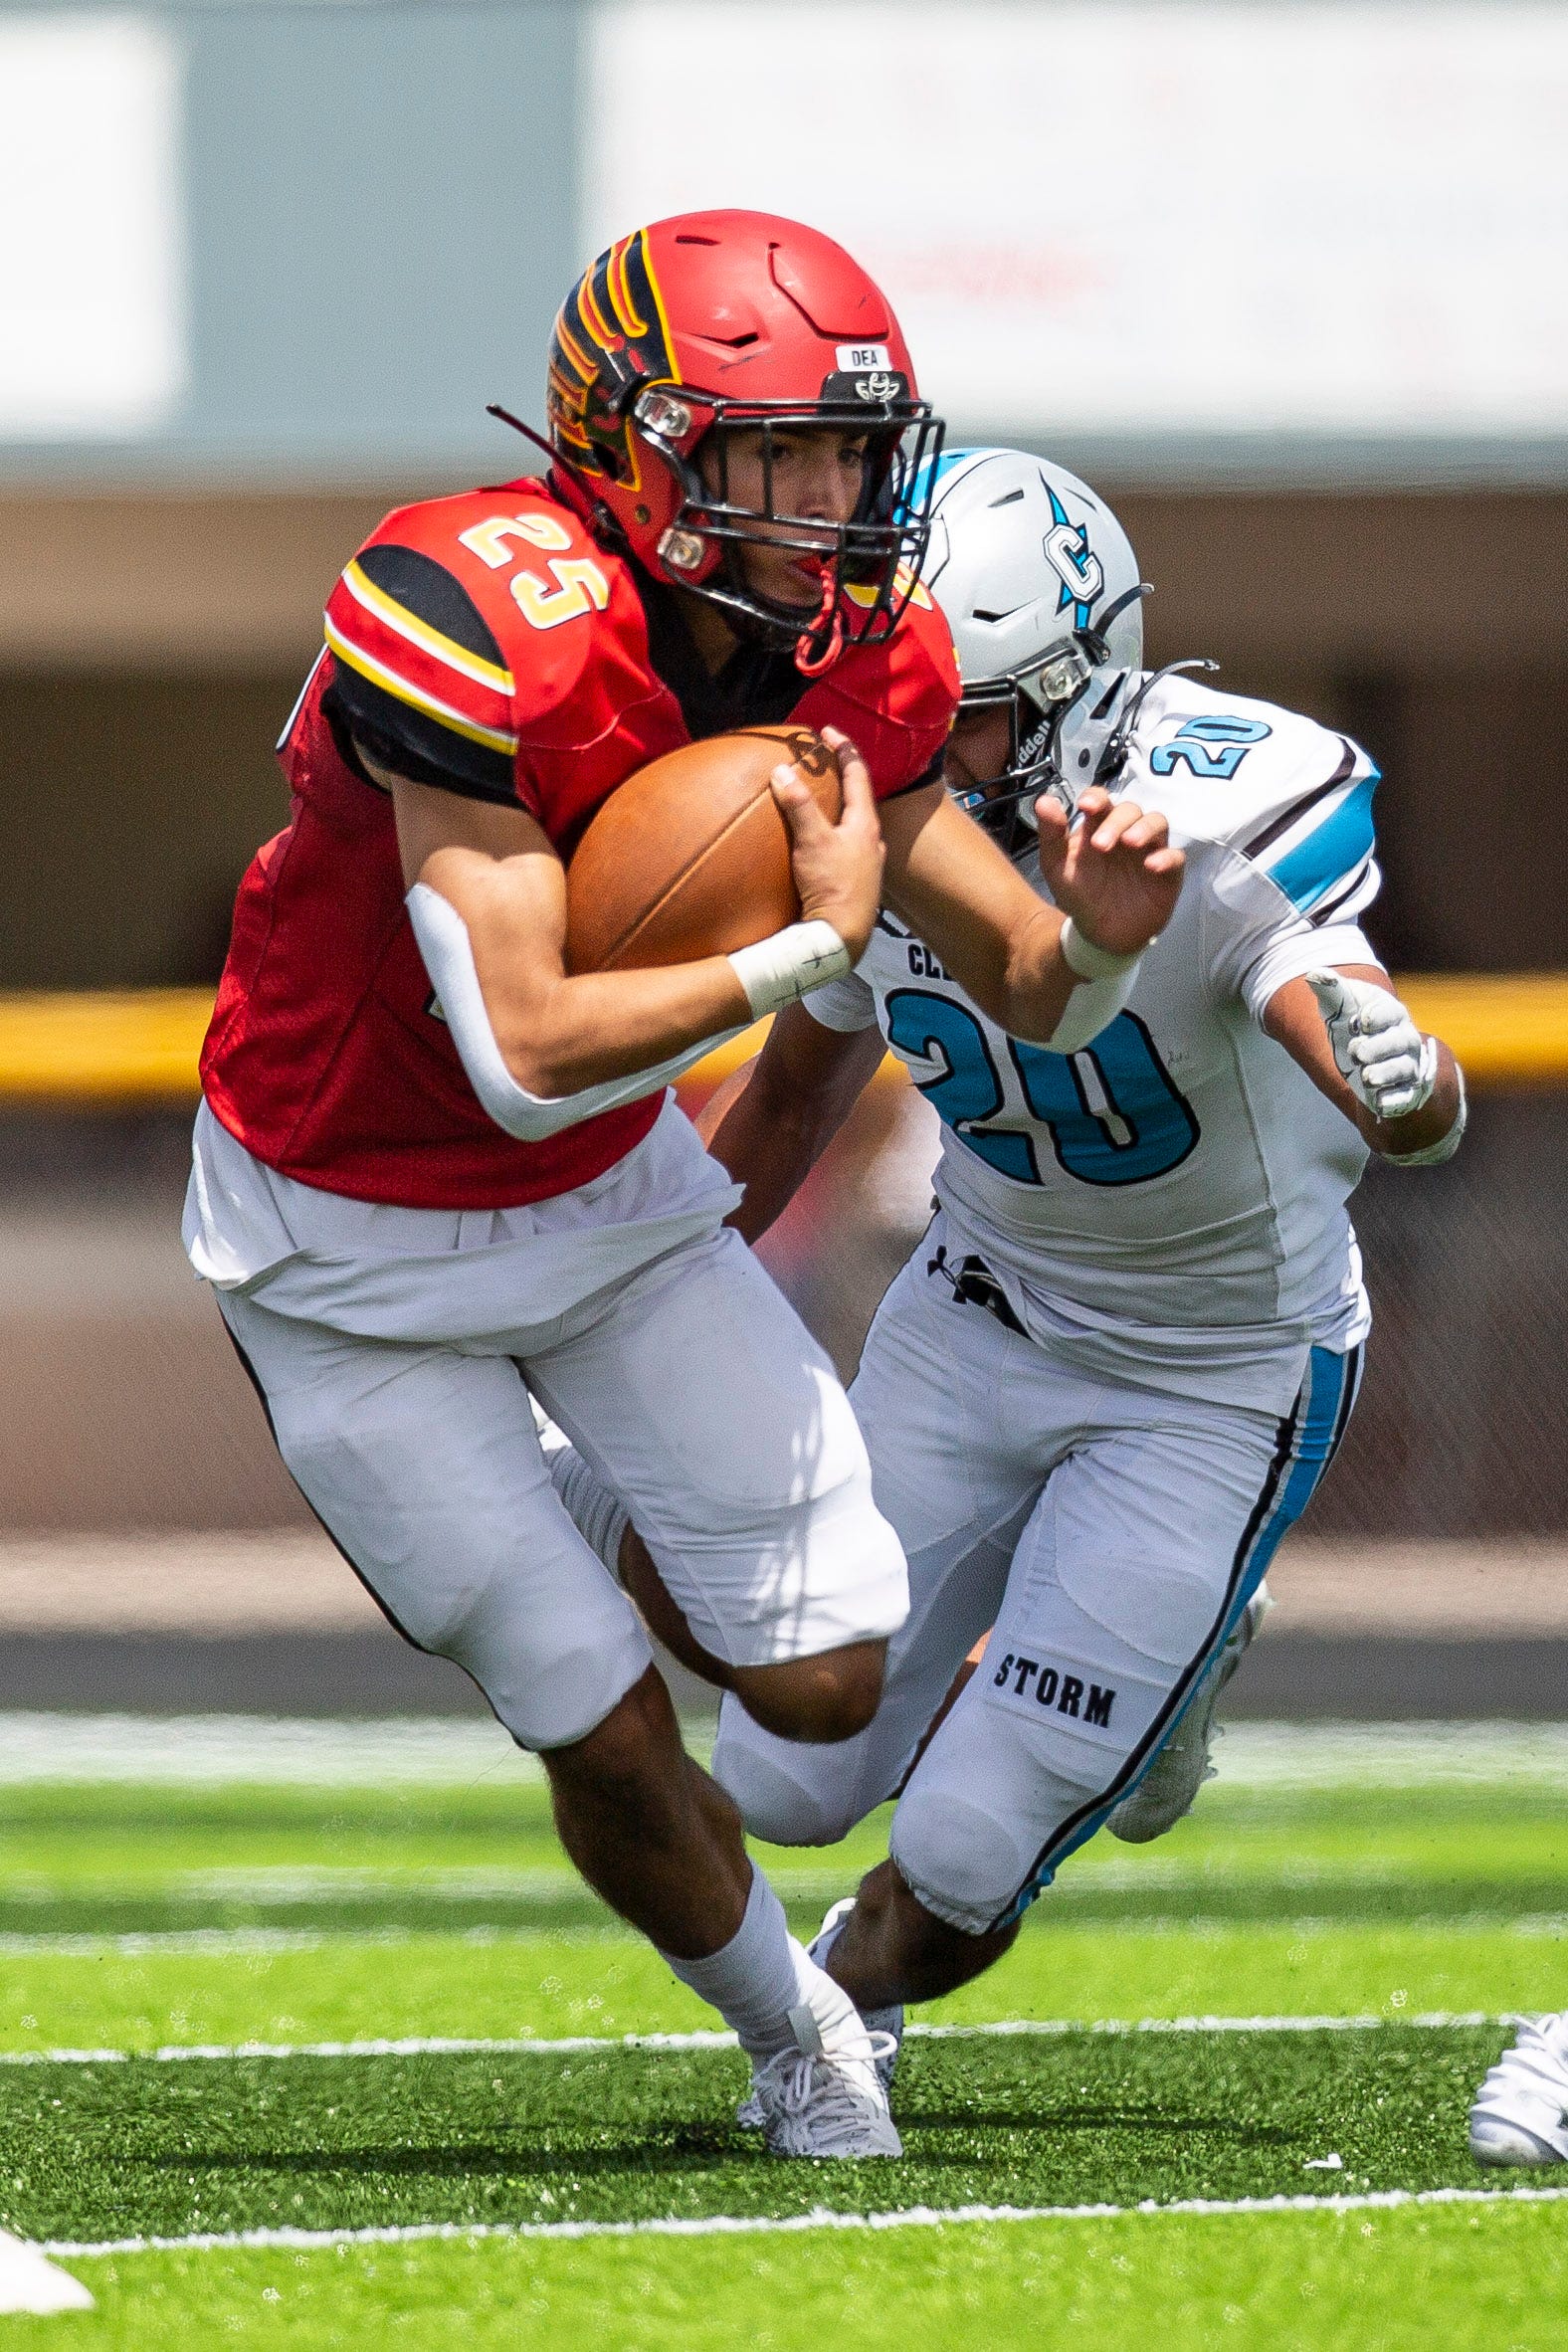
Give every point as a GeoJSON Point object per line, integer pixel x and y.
{"type": "Point", "coordinates": [1111, 1535]}
{"type": "Point", "coordinates": [689, 1385]}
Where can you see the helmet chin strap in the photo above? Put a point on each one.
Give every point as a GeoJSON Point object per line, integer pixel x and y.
{"type": "Point", "coordinates": [830, 618]}
{"type": "Point", "coordinates": [492, 408]}
{"type": "Point", "coordinates": [1113, 758]}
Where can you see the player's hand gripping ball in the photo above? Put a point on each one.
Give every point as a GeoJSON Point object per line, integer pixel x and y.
{"type": "Point", "coordinates": [690, 856]}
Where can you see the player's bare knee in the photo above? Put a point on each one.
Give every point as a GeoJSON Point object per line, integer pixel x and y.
{"type": "Point", "coordinates": [820, 1700]}
{"type": "Point", "coordinates": [964, 1868]}
{"type": "Point", "coordinates": [895, 1948]}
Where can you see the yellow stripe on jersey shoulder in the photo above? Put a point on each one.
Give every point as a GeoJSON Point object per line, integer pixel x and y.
{"type": "Point", "coordinates": [904, 584]}
{"type": "Point", "coordinates": [492, 738]}
{"type": "Point", "coordinates": [430, 641]}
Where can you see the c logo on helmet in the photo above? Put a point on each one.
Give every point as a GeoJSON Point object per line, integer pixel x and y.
{"type": "Point", "coordinates": [1074, 562]}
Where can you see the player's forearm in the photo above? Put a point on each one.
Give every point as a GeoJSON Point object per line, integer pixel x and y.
{"type": "Point", "coordinates": [562, 1035]}
{"type": "Point", "coordinates": [1052, 988]}
{"type": "Point", "coordinates": [793, 1101]}
{"type": "Point", "coordinates": [1397, 1138]}
{"type": "Point", "coordinates": [1013, 954]}
{"type": "Point", "coordinates": [770, 1141]}
{"type": "Point", "coordinates": [558, 1034]}
{"type": "Point", "coordinates": [771, 1152]}
{"type": "Point", "coordinates": [1039, 981]}
{"type": "Point", "coordinates": [1006, 958]}
{"type": "Point", "coordinates": [1357, 1044]}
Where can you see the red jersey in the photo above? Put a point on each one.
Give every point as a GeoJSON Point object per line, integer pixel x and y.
{"type": "Point", "coordinates": [490, 645]}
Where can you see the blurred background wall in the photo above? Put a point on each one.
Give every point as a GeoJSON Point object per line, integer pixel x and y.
{"type": "Point", "coordinates": [1289, 282]}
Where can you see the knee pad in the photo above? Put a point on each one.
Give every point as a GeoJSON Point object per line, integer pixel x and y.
{"type": "Point", "coordinates": [964, 1867]}
{"type": "Point", "coordinates": [788, 1794]}
{"type": "Point", "coordinates": [547, 1688]}
{"type": "Point", "coordinates": [552, 1656]}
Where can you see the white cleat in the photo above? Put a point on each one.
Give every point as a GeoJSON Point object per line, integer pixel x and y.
{"type": "Point", "coordinates": [30, 2283]}
{"type": "Point", "coordinates": [885, 2022]}
{"type": "Point", "coordinates": [1520, 2115]}
{"type": "Point", "coordinates": [824, 2098]}
{"type": "Point", "coordinates": [1167, 1790]}
{"type": "Point", "coordinates": [884, 2026]}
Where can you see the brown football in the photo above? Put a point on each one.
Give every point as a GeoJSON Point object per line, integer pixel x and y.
{"type": "Point", "coordinates": [690, 857]}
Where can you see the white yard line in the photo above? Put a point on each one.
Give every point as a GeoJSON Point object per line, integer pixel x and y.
{"type": "Point", "coordinates": [217, 1942]}
{"type": "Point", "coordinates": [914, 2217]}
{"type": "Point", "coordinates": [201, 1749]}
{"type": "Point", "coordinates": [206, 1941]}
{"type": "Point", "coordinates": [523, 2045]}
{"type": "Point", "coordinates": [1391, 1755]}
{"type": "Point", "coordinates": [197, 1750]}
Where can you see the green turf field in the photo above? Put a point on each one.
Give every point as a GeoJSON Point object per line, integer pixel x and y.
{"type": "Point", "coordinates": [149, 1931]}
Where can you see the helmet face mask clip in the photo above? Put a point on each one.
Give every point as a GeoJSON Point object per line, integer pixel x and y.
{"type": "Point", "coordinates": [1065, 672]}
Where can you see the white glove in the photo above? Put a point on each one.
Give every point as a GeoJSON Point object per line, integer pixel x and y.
{"type": "Point", "coordinates": [1389, 1067]}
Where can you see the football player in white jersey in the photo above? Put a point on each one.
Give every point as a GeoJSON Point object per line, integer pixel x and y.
{"type": "Point", "coordinates": [1125, 1350]}
{"type": "Point", "coordinates": [1520, 2114]}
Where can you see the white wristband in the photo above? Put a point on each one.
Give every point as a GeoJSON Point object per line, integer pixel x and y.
{"type": "Point", "coordinates": [1088, 959]}
{"type": "Point", "coordinates": [1433, 1154]}
{"type": "Point", "coordinates": [776, 971]}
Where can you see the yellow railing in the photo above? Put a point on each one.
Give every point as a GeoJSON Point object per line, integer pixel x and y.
{"type": "Point", "coordinates": [108, 1049]}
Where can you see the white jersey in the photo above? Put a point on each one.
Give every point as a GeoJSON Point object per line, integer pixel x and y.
{"type": "Point", "coordinates": [1168, 1204]}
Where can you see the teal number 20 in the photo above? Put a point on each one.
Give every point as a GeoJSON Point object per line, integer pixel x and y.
{"type": "Point", "coordinates": [1145, 1128]}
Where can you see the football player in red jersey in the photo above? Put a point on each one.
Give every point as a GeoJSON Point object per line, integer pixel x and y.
{"type": "Point", "coordinates": [433, 1173]}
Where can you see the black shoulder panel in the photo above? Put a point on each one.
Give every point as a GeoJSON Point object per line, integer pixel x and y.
{"type": "Point", "coordinates": [425, 588]}
{"type": "Point", "coordinates": [399, 737]}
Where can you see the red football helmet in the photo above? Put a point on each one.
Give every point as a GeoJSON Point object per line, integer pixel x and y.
{"type": "Point", "coordinates": [714, 323]}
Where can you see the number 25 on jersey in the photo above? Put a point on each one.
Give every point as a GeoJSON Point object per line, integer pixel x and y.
{"type": "Point", "coordinates": [579, 586]}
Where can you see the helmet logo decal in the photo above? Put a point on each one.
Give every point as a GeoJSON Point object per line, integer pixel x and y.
{"type": "Point", "coordinates": [1037, 742]}
{"type": "Point", "coordinates": [609, 340]}
{"type": "Point", "coordinates": [1075, 563]}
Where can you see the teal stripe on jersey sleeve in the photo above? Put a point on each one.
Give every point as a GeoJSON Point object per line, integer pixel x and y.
{"type": "Point", "coordinates": [1331, 851]}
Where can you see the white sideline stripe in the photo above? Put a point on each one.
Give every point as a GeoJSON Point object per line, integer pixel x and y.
{"type": "Point", "coordinates": [215, 1943]}
{"type": "Point", "coordinates": [431, 1752]}
{"type": "Point", "coordinates": [914, 2217]}
{"type": "Point", "coordinates": [567, 2044]}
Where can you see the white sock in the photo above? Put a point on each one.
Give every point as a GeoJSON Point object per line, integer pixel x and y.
{"type": "Point", "coordinates": [595, 1512]}
{"type": "Point", "coordinates": [762, 1975]}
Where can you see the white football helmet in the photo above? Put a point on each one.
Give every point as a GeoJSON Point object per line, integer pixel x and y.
{"type": "Point", "coordinates": [1041, 589]}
